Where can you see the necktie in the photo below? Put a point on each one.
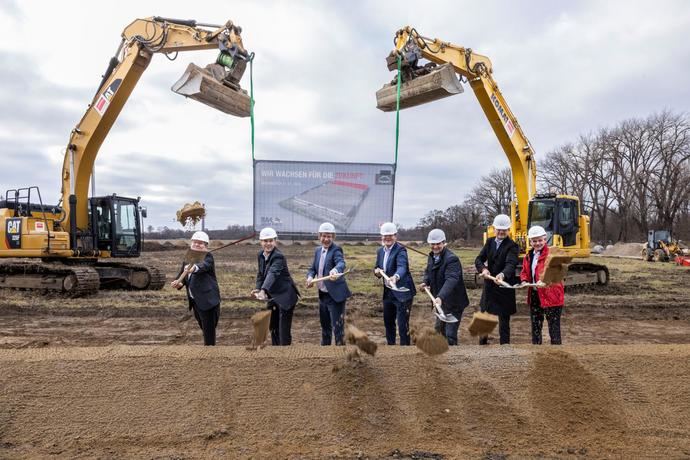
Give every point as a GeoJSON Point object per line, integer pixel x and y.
{"type": "Point", "coordinates": [322, 262]}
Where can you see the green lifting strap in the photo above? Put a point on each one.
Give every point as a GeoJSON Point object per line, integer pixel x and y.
{"type": "Point", "coordinates": [251, 96]}
{"type": "Point", "coordinates": [397, 114]}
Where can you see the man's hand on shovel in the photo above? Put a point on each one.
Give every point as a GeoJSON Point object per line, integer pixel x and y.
{"type": "Point", "coordinates": [259, 294]}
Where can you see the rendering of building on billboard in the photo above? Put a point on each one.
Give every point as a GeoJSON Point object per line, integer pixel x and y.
{"type": "Point", "coordinates": [296, 196]}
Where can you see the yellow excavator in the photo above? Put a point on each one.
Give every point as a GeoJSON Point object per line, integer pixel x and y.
{"type": "Point", "coordinates": [74, 247]}
{"type": "Point", "coordinates": [560, 215]}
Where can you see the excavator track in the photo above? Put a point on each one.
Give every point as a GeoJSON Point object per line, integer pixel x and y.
{"type": "Point", "coordinates": [579, 274]}
{"type": "Point", "coordinates": [72, 281]}
{"type": "Point", "coordinates": [123, 275]}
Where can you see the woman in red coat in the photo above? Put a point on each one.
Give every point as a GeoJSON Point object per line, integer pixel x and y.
{"type": "Point", "coordinates": [543, 301]}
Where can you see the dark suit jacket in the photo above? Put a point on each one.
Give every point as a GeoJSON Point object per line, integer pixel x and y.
{"type": "Point", "coordinates": [337, 289]}
{"type": "Point", "coordinates": [274, 278]}
{"type": "Point", "coordinates": [497, 300]}
{"type": "Point", "coordinates": [397, 265]}
{"type": "Point", "coordinates": [444, 279]}
{"type": "Point", "coordinates": [202, 284]}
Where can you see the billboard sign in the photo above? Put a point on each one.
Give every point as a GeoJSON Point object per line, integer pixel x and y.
{"type": "Point", "coordinates": [297, 196]}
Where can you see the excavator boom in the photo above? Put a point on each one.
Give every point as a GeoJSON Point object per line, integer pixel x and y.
{"type": "Point", "coordinates": [450, 65]}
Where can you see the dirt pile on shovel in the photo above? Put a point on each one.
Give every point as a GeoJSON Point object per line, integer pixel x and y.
{"type": "Point", "coordinates": [358, 337]}
{"type": "Point", "coordinates": [260, 322]}
{"type": "Point", "coordinates": [191, 214]}
{"type": "Point", "coordinates": [482, 323]}
{"type": "Point", "coordinates": [429, 341]}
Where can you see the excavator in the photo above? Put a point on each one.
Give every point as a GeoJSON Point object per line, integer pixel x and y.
{"type": "Point", "coordinates": [83, 243]}
{"type": "Point", "coordinates": [559, 214]}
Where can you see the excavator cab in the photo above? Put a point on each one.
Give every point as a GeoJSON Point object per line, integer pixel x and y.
{"type": "Point", "coordinates": [115, 225]}
{"type": "Point", "coordinates": [558, 215]}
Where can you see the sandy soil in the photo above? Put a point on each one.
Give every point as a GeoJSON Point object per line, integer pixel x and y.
{"type": "Point", "coordinates": [472, 402]}
{"type": "Point", "coordinates": [121, 374]}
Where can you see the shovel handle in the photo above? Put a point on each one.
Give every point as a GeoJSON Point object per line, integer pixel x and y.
{"type": "Point", "coordinates": [234, 242]}
{"type": "Point", "coordinates": [385, 277]}
{"type": "Point", "coordinates": [184, 273]}
{"type": "Point", "coordinates": [496, 280]}
{"type": "Point", "coordinates": [431, 296]}
{"type": "Point", "coordinates": [324, 278]}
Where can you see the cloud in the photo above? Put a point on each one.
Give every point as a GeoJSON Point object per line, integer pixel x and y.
{"type": "Point", "coordinates": [563, 69]}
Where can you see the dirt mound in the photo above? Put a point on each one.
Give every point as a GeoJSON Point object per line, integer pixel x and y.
{"type": "Point", "coordinates": [624, 249]}
{"type": "Point", "coordinates": [596, 401]}
{"type": "Point", "coordinates": [197, 402]}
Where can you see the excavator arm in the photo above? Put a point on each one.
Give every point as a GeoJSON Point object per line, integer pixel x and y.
{"type": "Point", "coordinates": [560, 215]}
{"type": "Point", "coordinates": [140, 41]}
{"type": "Point", "coordinates": [410, 46]}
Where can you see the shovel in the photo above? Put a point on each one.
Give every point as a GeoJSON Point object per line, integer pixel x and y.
{"type": "Point", "coordinates": [446, 318]}
{"type": "Point", "coordinates": [501, 283]}
{"type": "Point", "coordinates": [328, 277]}
{"type": "Point", "coordinates": [392, 286]}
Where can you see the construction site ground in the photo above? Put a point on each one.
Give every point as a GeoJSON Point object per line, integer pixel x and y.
{"type": "Point", "coordinates": [123, 374]}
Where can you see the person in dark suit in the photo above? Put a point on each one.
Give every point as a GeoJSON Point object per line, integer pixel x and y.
{"type": "Point", "coordinates": [274, 283]}
{"type": "Point", "coordinates": [443, 277]}
{"type": "Point", "coordinates": [329, 260]}
{"type": "Point", "coordinates": [391, 259]}
{"type": "Point", "coordinates": [202, 289]}
{"type": "Point", "coordinates": [499, 258]}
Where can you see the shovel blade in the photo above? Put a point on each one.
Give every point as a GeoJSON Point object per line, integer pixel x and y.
{"type": "Point", "coordinates": [200, 85]}
{"type": "Point", "coordinates": [449, 318]}
{"type": "Point", "coordinates": [438, 84]}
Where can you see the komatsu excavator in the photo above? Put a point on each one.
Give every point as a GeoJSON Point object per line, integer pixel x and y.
{"type": "Point", "coordinates": [560, 215]}
{"type": "Point", "coordinates": [74, 247]}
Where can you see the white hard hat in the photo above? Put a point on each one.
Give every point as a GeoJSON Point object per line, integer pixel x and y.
{"type": "Point", "coordinates": [267, 234]}
{"type": "Point", "coordinates": [536, 231]}
{"type": "Point", "coordinates": [502, 222]}
{"type": "Point", "coordinates": [200, 236]}
{"type": "Point", "coordinates": [388, 228]}
{"type": "Point", "coordinates": [436, 236]}
{"type": "Point", "coordinates": [326, 227]}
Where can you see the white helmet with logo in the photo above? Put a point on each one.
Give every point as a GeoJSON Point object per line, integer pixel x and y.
{"type": "Point", "coordinates": [388, 228]}
{"type": "Point", "coordinates": [200, 236]}
{"type": "Point", "coordinates": [502, 222]}
{"type": "Point", "coordinates": [267, 234]}
{"type": "Point", "coordinates": [436, 236]}
{"type": "Point", "coordinates": [326, 227]}
{"type": "Point", "coordinates": [536, 231]}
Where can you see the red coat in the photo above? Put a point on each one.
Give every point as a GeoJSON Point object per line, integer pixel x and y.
{"type": "Point", "coordinates": [551, 296]}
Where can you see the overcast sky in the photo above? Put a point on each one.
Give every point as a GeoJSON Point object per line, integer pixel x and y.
{"type": "Point", "coordinates": [565, 68]}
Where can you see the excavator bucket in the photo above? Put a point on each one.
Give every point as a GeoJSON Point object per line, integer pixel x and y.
{"type": "Point", "coordinates": [439, 83]}
{"type": "Point", "coordinates": [201, 85]}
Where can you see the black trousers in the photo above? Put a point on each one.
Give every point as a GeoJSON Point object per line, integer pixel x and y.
{"type": "Point", "coordinates": [281, 325]}
{"type": "Point", "coordinates": [208, 321]}
{"type": "Point", "coordinates": [553, 317]}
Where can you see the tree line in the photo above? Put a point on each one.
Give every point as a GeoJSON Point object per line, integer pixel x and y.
{"type": "Point", "coordinates": [629, 178]}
